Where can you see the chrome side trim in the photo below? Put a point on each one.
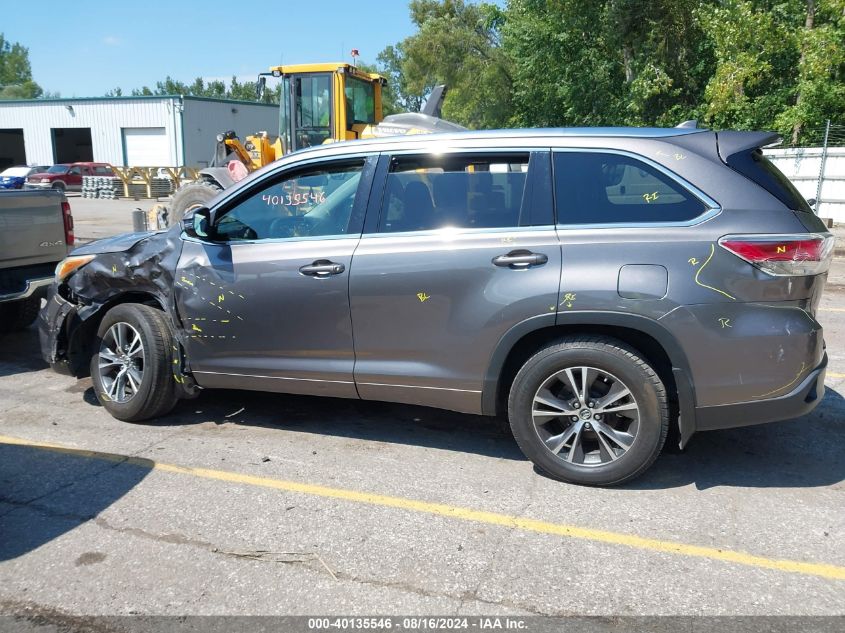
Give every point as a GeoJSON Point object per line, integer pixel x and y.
{"type": "Point", "coordinates": [31, 287]}
{"type": "Point", "coordinates": [380, 384]}
{"type": "Point", "coordinates": [221, 373]}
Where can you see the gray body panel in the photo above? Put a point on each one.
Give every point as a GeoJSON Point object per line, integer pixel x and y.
{"type": "Point", "coordinates": [425, 318]}
{"type": "Point", "coordinates": [32, 228]}
{"type": "Point", "coordinates": [249, 314]}
{"type": "Point", "coordinates": [429, 307]}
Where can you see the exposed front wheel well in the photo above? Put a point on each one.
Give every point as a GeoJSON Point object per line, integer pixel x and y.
{"type": "Point", "coordinates": [80, 345]}
{"type": "Point", "coordinates": [650, 348]}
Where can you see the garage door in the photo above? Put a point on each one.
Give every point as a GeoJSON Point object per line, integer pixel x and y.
{"type": "Point", "coordinates": [146, 147]}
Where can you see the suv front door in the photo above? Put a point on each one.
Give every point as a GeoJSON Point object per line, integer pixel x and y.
{"type": "Point", "coordinates": [459, 248]}
{"type": "Point", "coordinates": [264, 303]}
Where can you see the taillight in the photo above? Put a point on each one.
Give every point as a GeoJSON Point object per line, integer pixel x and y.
{"type": "Point", "coordinates": [68, 219]}
{"type": "Point", "coordinates": [783, 255]}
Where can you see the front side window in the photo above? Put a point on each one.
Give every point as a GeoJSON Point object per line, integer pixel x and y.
{"type": "Point", "coordinates": [458, 191]}
{"type": "Point", "coordinates": [312, 109]}
{"type": "Point", "coordinates": [599, 188]}
{"type": "Point", "coordinates": [311, 202]}
{"type": "Point", "coordinates": [360, 101]}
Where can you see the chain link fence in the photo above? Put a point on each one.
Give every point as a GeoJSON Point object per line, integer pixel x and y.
{"type": "Point", "coordinates": [817, 171]}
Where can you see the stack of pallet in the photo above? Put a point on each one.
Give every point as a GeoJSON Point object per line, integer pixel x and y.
{"type": "Point", "coordinates": [159, 188]}
{"type": "Point", "coordinates": [107, 187]}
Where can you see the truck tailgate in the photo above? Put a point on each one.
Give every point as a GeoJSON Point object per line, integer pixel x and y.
{"type": "Point", "coordinates": [32, 228]}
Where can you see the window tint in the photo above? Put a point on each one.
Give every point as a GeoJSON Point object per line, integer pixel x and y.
{"type": "Point", "coordinates": [431, 192]}
{"type": "Point", "coordinates": [596, 188]}
{"type": "Point", "coordinates": [755, 166]}
{"type": "Point", "coordinates": [311, 203]}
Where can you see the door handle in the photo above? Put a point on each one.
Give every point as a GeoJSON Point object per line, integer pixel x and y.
{"type": "Point", "coordinates": [520, 259]}
{"type": "Point", "coordinates": [322, 268]}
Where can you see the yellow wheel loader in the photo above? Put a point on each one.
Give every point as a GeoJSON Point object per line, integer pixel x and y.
{"type": "Point", "coordinates": [320, 103]}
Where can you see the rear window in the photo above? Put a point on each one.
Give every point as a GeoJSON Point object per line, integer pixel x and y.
{"type": "Point", "coordinates": [599, 188]}
{"type": "Point", "coordinates": [755, 166]}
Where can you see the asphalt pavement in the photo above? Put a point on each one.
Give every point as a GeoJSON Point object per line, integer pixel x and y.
{"type": "Point", "coordinates": [248, 503]}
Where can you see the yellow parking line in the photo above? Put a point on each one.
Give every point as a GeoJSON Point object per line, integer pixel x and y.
{"type": "Point", "coordinates": [831, 374]}
{"type": "Point", "coordinates": [455, 512]}
{"type": "Point", "coordinates": [831, 309]}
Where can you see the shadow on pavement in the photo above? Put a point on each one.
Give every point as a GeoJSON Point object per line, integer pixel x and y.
{"type": "Point", "coordinates": [358, 419]}
{"type": "Point", "coordinates": [802, 453]}
{"type": "Point", "coordinates": [44, 493]}
{"type": "Point", "coordinates": [20, 352]}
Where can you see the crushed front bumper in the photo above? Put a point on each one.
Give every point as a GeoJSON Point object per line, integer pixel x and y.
{"type": "Point", "coordinates": [57, 322]}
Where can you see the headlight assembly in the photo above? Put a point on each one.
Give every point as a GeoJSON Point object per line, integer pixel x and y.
{"type": "Point", "coordinates": [70, 264]}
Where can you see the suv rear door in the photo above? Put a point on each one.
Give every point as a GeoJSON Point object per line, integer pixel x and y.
{"type": "Point", "coordinates": [458, 248]}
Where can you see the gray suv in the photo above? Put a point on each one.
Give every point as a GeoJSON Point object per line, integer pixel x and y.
{"type": "Point", "coordinates": [603, 288]}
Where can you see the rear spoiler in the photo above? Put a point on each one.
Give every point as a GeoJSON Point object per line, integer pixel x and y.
{"type": "Point", "coordinates": [730, 143]}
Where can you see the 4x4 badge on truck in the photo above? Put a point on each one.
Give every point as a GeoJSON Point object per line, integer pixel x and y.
{"type": "Point", "coordinates": [51, 244]}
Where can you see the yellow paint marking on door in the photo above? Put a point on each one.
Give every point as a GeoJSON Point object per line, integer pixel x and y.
{"type": "Point", "coordinates": [822, 570]}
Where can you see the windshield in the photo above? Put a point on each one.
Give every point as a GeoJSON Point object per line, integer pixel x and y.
{"type": "Point", "coordinates": [16, 172]}
{"type": "Point", "coordinates": [58, 169]}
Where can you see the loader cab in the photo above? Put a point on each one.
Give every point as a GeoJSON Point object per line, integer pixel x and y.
{"type": "Point", "coordinates": [324, 103]}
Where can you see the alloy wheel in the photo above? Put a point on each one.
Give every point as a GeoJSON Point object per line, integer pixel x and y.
{"type": "Point", "coordinates": [585, 416]}
{"type": "Point", "coordinates": [121, 362]}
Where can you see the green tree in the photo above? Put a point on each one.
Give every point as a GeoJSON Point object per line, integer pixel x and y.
{"type": "Point", "coordinates": [15, 72]}
{"type": "Point", "coordinates": [780, 65]}
{"type": "Point", "coordinates": [609, 62]}
{"type": "Point", "coordinates": [459, 44]}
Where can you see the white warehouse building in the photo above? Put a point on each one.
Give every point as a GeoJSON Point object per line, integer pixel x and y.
{"type": "Point", "coordinates": [142, 131]}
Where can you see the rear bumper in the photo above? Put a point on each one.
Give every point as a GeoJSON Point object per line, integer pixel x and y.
{"type": "Point", "coordinates": [34, 288]}
{"type": "Point", "coordinates": [800, 401]}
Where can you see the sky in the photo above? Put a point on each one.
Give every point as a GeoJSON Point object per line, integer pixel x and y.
{"type": "Point", "coordinates": [84, 48]}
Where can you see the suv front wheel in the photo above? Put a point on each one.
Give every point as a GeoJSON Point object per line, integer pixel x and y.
{"type": "Point", "coordinates": [589, 410]}
{"type": "Point", "coordinates": [130, 367]}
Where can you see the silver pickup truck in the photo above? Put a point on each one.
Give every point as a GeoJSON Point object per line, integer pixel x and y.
{"type": "Point", "coordinates": [36, 231]}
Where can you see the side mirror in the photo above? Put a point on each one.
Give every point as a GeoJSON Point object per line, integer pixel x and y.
{"type": "Point", "coordinates": [259, 87]}
{"type": "Point", "coordinates": [811, 202]}
{"type": "Point", "coordinates": [196, 222]}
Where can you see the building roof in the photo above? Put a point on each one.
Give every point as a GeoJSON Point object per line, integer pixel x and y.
{"type": "Point", "coordinates": [131, 98]}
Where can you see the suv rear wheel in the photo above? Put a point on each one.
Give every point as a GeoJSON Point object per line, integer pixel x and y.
{"type": "Point", "coordinates": [589, 410]}
{"type": "Point", "coordinates": [130, 368]}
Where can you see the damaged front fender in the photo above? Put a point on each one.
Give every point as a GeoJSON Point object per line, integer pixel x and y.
{"type": "Point", "coordinates": [136, 267]}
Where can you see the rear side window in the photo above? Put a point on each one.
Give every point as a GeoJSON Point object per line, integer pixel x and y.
{"type": "Point", "coordinates": [461, 191]}
{"type": "Point", "coordinates": [599, 188]}
{"type": "Point", "coordinates": [755, 166]}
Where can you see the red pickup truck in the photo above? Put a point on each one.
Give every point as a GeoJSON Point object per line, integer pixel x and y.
{"type": "Point", "coordinates": [67, 176]}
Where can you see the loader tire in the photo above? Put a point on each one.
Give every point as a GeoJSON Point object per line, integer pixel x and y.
{"type": "Point", "coordinates": [190, 196]}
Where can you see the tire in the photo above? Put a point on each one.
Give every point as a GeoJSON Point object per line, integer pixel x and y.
{"type": "Point", "coordinates": [613, 437]}
{"type": "Point", "coordinates": [58, 186]}
{"type": "Point", "coordinates": [19, 315]}
{"type": "Point", "coordinates": [194, 194]}
{"type": "Point", "coordinates": [152, 396]}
